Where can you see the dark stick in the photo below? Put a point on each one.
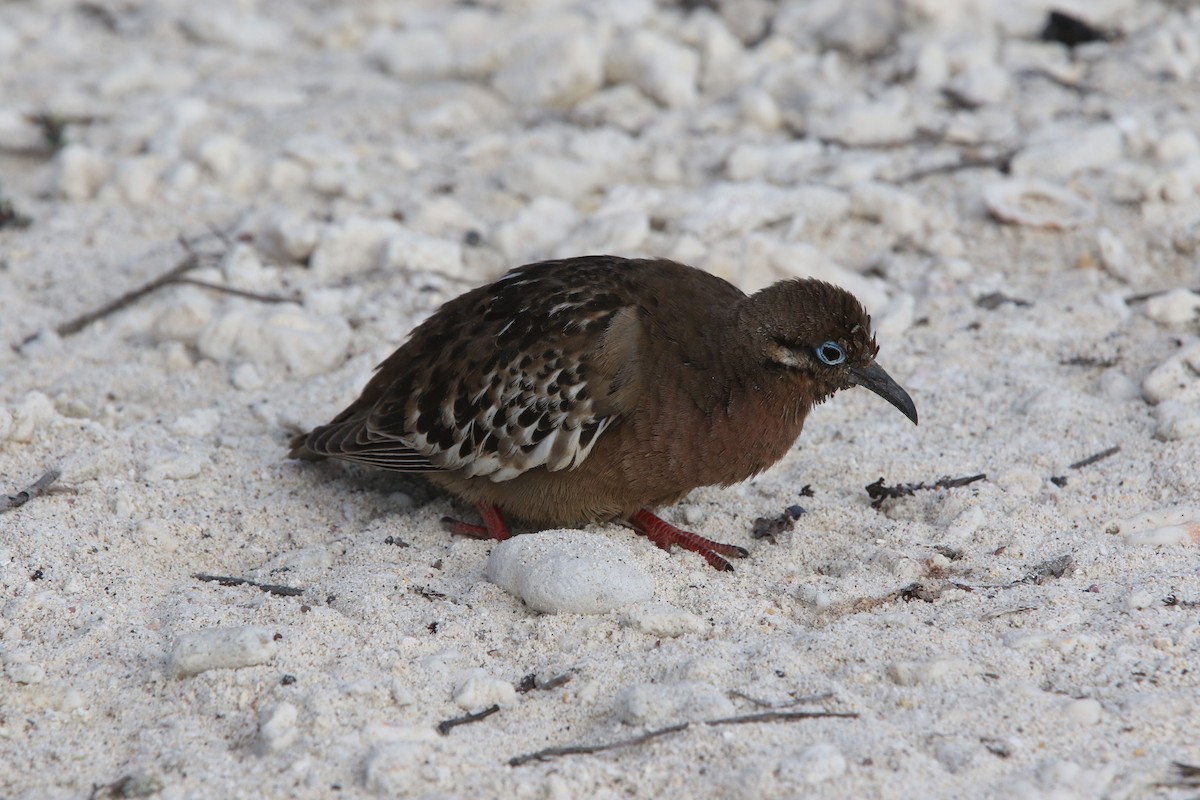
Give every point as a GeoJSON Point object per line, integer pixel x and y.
{"type": "Point", "coordinates": [587, 749]}
{"type": "Point", "coordinates": [216, 287]}
{"type": "Point", "coordinates": [1103, 454]}
{"type": "Point", "coordinates": [269, 588]}
{"type": "Point", "coordinates": [38, 487]}
{"type": "Point", "coordinates": [878, 492]}
{"type": "Point", "coordinates": [799, 701]}
{"type": "Point", "coordinates": [445, 726]}
{"type": "Point", "coordinates": [189, 262]}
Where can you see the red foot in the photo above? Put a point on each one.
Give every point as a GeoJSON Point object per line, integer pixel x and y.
{"type": "Point", "coordinates": [664, 534]}
{"type": "Point", "coordinates": [493, 527]}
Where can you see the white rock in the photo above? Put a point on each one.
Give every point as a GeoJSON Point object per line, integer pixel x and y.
{"type": "Point", "coordinates": [723, 210]}
{"type": "Point", "coordinates": [35, 412]}
{"type": "Point", "coordinates": [352, 247]}
{"type": "Point", "coordinates": [1085, 711]}
{"type": "Point", "coordinates": [653, 703]}
{"type": "Point", "coordinates": [1166, 536]}
{"type": "Point", "coordinates": [861, 122]}
{"type": "Point", "coordinates": [408, 250]}
{"type": "Point", "coordinates": [222, 648]}
{"type": "Point", "coordinates": [900, 212]}
{"type": "Point", "coordinates": [196, 424]}
{"type": "Point", "coordinates": [572, 572]}
{"type": "Point", "coordinates": [182, 320]}
{"type": "Point", "coordinates": [663, 620]}
{"type": "Point", "coordinates": [1178, 145]}
{"type": "Point", "coordinates": [25, 672]}
{"type": "Point", "coordinates": [862, 29]}
{"type": "Point", "coordinates": [1139, 600]}
{"type": "Point", "coordinates": [1177, 420]}
{"type": "Point", "coordinates": [1036, 203]}
{"type": "Point", "coordinates": [277, 727]}
{"type": "Point", "coordinates": [174, 466]}
{"type": "Point", "coordinates": [1159, 517]}
{"type": "Point", "coordinates": [896, 317]}
{"type": "Point", "coordinates": [660, 67]}
{"type": "Point", "coordinates": [722, 56]}
{"type": "Point", "coordinates": [812, 765]}
{"type": "Point", "coordinates": [238, 30]}
{"type": "Point", "coordinates": [1174, 377]}
{"type": "Point", "coordinates": [79, 172]}
{"type": "Point", "coordinates": [918, 673]}
{"type": "Point", "coordinates": [1176, 307]}
{"type": "Point", "coordinates": [6, 424]}
{"type": "Point", "coordinates": [536, 229]}
{"type": "Point", "coordinates": [1114, 256]}
{"type": "Point", "coordinates": [305, 344]}
{"type": "Point", "coordinates": [1069, 153]}
{"type": "Point", "coordinates": [411, 54]}
{"type": "Point", "coordinates": [553, 70]}
{"type": "Point", "coordinates": [289, 236]}
{"type": "Point", "coordinates": [622, 106]}
{"type": "Point", "coordinates": [399, 768]}
{"type": "Point", "coordinates": [479, 691]}
{"type": "Point", "coordinates": [620, 233]}
{"type": "Point", "coordinates": [983, 85]}
{"type": "Point", "coordinates": [137, 179]}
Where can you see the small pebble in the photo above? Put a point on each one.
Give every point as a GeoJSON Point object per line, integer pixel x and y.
{"type": "Point", "coordinates": [28, 673]}
{"type": "Point", "coordinates": [655, 703]}
{"type": "Point", "coordinates": [568, 572]}
{"type": "Point", "coordinates": [1036, 203]}
{"type": "Point", "coordinates": [1170, 535]}
{"type": "Point", "coordinates": [663, 620]}
{"type": "Point", "coordinates": [1141, 600]}
{"type": "Point", "coordinates": [1176, 307]}
{"type": "Point", "coordinates": [812, 765]}
{"type": "Point", "coordinates": [918, 673]}
{"type": "Point", "coordinates": [663, 69]}
{"type": "Point", "coordinates": [479, 691]}
{"type": "Point", "coordinates": [277, 727]}
{"type": "Point", "coordinates": [222, 648]}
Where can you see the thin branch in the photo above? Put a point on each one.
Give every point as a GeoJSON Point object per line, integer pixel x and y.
{"type": "Point", "coordinates": [445, 726]}
{"type": "Point", "coordinates": [1092, 459]}
{"type": "Point", "coordinates": [269, 588]}
{"type": "Point", "coordinates": [587, 749]}
{"type": "Point", "coordinates": [216, 287]}
{"type": "Point", "coordinates": [799, 701]}
{"type": "Point", "coordinates": [38, 487]}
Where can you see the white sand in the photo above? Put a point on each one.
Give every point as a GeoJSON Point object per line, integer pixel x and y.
{"type": "Point", "coordinates": [373, 160]}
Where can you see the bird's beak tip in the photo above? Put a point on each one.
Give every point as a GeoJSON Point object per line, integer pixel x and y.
{"type": "Point", "coordinates": [875, 378]}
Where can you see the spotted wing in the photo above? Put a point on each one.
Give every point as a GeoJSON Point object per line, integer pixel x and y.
{"type": "Point", "coordinates": [499, 381]}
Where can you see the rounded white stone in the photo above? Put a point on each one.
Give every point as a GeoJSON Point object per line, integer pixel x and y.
{"type": "Point", "coordinates": [222, 648]}
{"type": "Point", "coordinates": [573, 572]}
{"type": "Point", "coordinates": [662, 619]}
{"type": "Point", "coordinates": [79, 172]}
{"type": "Point", "coordinates": [1176, 307]}
{"type": "Point", "coordinates": [479, 691]}
{"type": "Point", "coordinates": [277, 727]}
{"type": "Point", "coordinates": [662, 68]}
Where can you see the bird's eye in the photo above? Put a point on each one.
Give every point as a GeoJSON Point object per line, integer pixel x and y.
{"type": "Point", "coordinates": [831, 353]}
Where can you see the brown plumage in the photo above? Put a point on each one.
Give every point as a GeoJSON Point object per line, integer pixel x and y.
{"type": "Point", "coordinates": [597, 388]}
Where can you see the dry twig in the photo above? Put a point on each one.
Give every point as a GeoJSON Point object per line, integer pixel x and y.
{"type": "Point", "coordinates": [445, 726]}
{"type": "Point", "coordinates": [38, 487]}
{"type": "Point", "coordinates": [586, 749]}
{"type": "Point", "coordinates": [269, 588]}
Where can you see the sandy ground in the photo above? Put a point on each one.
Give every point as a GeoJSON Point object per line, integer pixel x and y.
{"type": "Point", "coordinates": [1021, 218]}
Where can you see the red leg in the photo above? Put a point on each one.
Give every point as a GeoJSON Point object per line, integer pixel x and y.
{"type": "Point", "coordinates": [493, 527]}
{"type": "Point", "coordinates": [664, 534]}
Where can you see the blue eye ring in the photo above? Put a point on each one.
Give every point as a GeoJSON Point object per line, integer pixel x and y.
{"type": "Point", "coordinates": [831, 353]}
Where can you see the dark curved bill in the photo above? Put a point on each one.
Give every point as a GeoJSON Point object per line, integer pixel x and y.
{"type": "Point", "coordinates": [875, 378]}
